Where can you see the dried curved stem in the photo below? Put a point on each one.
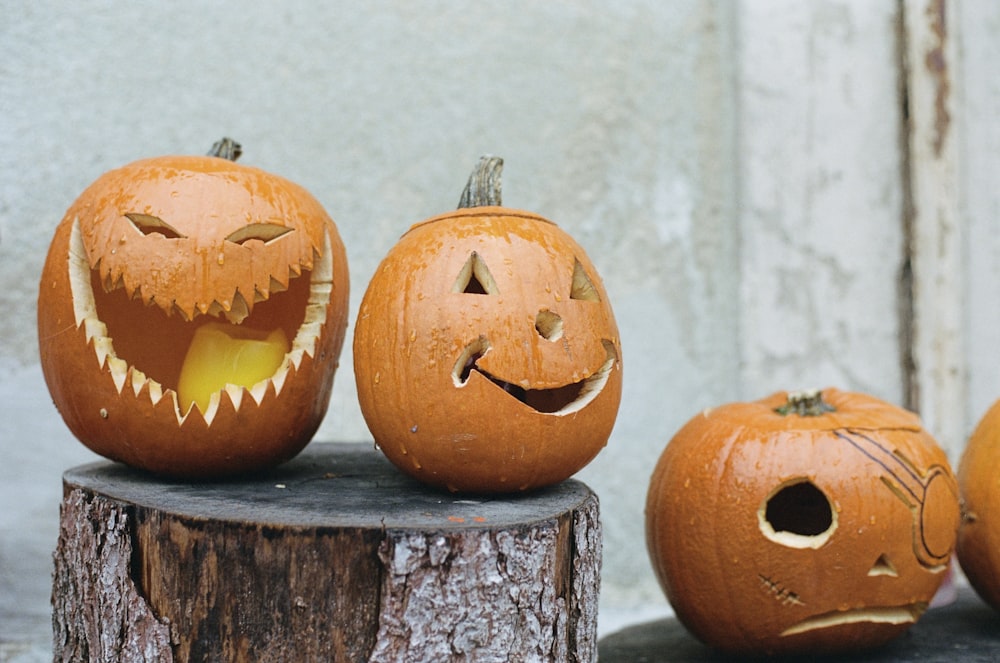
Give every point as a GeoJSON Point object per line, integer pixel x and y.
{"type": "Point", "coordinates": [483, 187]}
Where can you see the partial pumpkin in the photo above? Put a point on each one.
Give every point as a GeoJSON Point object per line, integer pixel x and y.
{"type": "Point", "coordinates": [979, 480]}
{"type": "Point", "coordinates": [486, 353]}
{"type": "Point", "coordinates": [801, 523]}
{"type": "Point", "coordinates": [197, 257]}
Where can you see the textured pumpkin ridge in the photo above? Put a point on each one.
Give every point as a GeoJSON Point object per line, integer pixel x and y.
{"type": "Point", "coordinates": [122, 373]}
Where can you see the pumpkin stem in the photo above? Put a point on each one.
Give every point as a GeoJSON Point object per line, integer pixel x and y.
{"type": "Point", "coordinates": [483, 187]}
{"type": "Point", "coordinates": [805, 403]}
{"type": "Point", "coordinates": [227, 148]}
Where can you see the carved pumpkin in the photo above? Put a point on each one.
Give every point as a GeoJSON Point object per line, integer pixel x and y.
{"type": "Point", "coordinates": [803, 523]}
{"type": "Point", "coordinates": [147, 261]}
{"type": "Point", "coordinates": [486, 354]}
{"type": "Point", "coordinates": [979, 480]}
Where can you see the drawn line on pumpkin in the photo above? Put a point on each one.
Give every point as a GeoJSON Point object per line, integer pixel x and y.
{"type": "Point", "coordinates": [896, 462]}
{"type": "Point", "coordinates": [908, 482]}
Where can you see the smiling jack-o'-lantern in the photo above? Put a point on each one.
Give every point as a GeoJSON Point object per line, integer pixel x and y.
{"type": "Point", "coordinates": [486, 354]}
{"type": "Point", "coordinates": [808, 522]}
{"type": "Point", "coordinates": [191, 314]}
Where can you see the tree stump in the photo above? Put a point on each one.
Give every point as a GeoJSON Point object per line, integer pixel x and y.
{"type": "Point", "coordinates": [333, 556]}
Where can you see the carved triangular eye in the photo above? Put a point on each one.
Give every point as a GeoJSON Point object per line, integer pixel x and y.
{"type": "Point", "coordinates": [583, 288]}
{"type": "Point", "coordinates": [475, 278]}
{"type": "Point", "coordinates": [265, 232]}
{"type": "Point", "coordinates": [148, 224]}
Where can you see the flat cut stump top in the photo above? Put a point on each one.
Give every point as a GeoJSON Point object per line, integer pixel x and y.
{"type": "Point", "coordinates": [342, 485]}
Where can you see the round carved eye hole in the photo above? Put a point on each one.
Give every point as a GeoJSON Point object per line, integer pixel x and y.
{"type": "Point", "coordinates": [797, 514]}
{"type": "Point", "coordinates": [549, 325]}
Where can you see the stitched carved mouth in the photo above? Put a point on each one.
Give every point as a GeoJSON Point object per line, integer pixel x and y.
{"type": "Point", "coordinates": [559, 400]}
{"type": "Point", "coordinates": [906, 614]}
{"type": "Point", "coordinates": [144, 346]}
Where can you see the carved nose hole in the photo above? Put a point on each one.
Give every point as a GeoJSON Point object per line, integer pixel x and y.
{"type": "Point", "coordinates": [549, 325]}
{"type": "Point", "coordinates": [798, 515]}
{"type": "Point", "coordinates": [883, 566]}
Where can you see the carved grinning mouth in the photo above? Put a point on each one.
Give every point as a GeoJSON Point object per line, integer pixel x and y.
{"type": "Point", "coordinates": [559, 400]}
{"type": "Point", "coordinates": [143, 343]}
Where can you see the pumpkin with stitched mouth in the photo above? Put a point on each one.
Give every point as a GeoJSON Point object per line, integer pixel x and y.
{"type": "Point", "coordinates": [191, 314]}
{"type": "Point", "coordinates": [809, 522]}
{"type": "Point", "coordinates": [486, 353]}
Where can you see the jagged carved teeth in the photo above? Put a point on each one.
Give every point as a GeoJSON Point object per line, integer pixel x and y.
{"type": "Point", "coordinates": [559, 400]}
{"type": "Point", "coordinates": [144, 342]}
{"type": "Point", "coordinates": [235, 309]}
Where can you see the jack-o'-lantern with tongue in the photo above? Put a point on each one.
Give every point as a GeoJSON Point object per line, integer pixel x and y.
{"type": "Point", "coordinates": [191, 314]}
{"type": "Point", "coordinates": [486, 353]}
{"type": "Point", "coordinates": [801, 523]}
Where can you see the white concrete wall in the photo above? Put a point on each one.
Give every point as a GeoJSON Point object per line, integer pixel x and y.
{"type": "Point", "coordinates": [736, 171]}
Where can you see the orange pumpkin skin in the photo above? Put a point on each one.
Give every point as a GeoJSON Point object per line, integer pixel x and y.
{"type": "Point", "coordinates": [776, 533]}
{"type": "Point", "coordinates": [119, 301]}
{"type": "Point", "coordinates": [420, 329]}
{"type": "Point", "coordinates": [978, 547]}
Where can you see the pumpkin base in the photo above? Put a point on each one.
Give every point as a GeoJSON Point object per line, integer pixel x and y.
{"type": "Point", "coordinates": [333, 556]}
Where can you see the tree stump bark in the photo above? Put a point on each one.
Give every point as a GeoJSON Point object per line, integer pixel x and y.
{"type": "Point", "coordinates": [334, 556]}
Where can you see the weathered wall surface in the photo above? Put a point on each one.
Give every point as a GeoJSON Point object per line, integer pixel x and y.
{"type": "Point", "coordinates": [977, 136]}
{"type": "Point", "coordinates": [820, 196]}
{"type": "Point", "coordinates": [737, 171]}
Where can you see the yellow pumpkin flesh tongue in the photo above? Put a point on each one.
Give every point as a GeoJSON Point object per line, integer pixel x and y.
{"type": "Point", "coordinates": [222, 354]}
